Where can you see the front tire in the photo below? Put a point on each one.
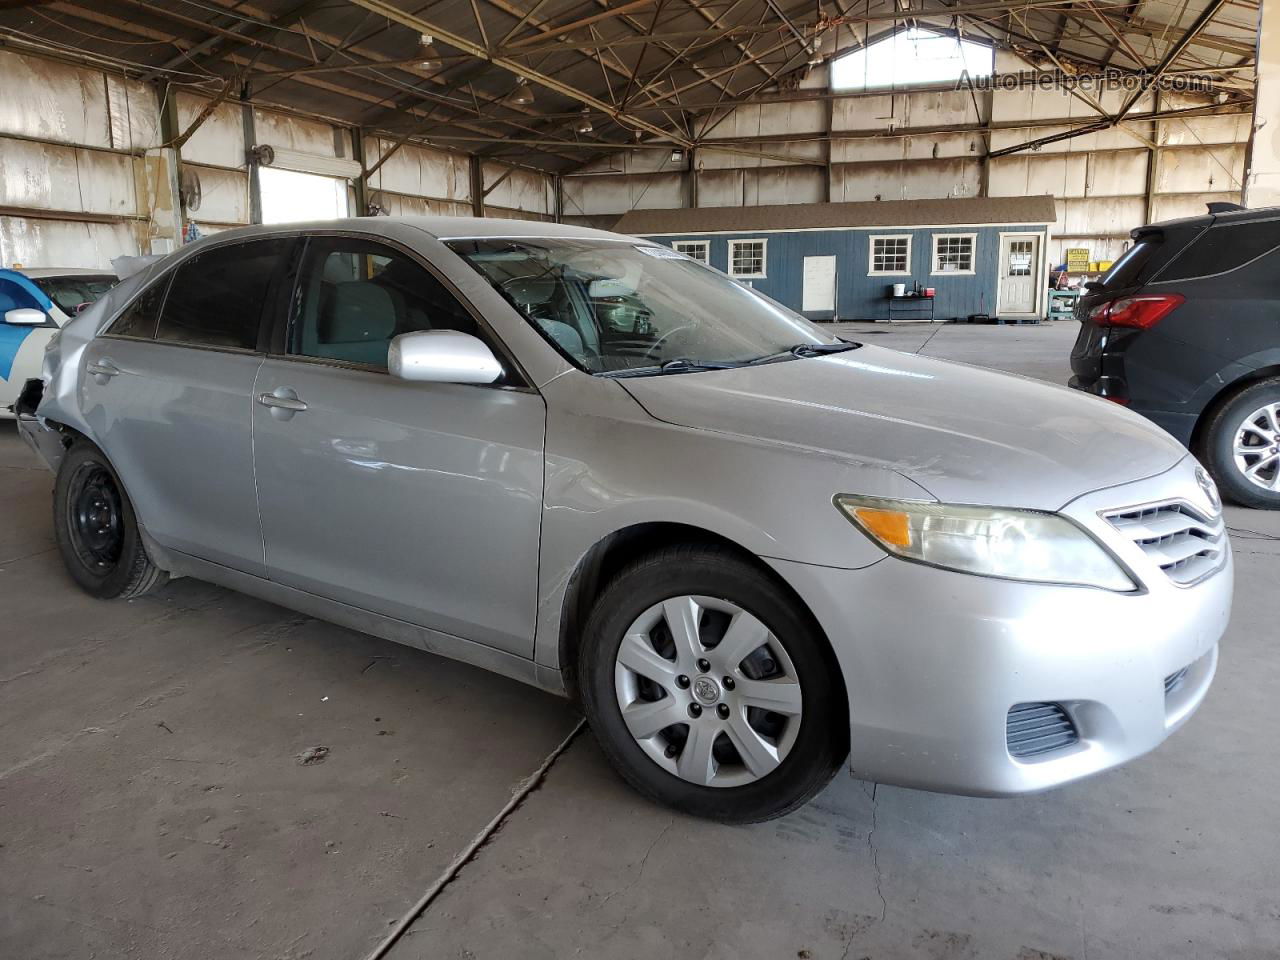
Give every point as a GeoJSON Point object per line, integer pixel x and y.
{"type": "Point", "coordinates": [1241, 446]}
{"type": "Point", "coordinates": [710, 689]}
{"type": "Point", "coordinates": [97, 531]}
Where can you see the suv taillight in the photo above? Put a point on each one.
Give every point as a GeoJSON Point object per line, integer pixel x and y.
{"type": "Point", "coordinates": [1141, 312]}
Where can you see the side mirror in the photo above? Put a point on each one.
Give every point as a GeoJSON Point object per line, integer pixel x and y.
{"type": "Point", "coordinates": [1092, 285]}
{"type": "Point", "coordinates": [442, 356]}
{"type": "Point", "coordinates": [24, 317]}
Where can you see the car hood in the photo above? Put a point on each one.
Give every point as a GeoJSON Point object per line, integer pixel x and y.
{"type": "Point", "coordinates": [965, 434]}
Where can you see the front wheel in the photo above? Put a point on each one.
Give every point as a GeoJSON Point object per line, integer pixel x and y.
{"type": "Point", "coordinates": [1242, 446]}
{"type": "Point", "coordinates": [710, 689]}
{"type": "Point", "coordinates": [96, 530]}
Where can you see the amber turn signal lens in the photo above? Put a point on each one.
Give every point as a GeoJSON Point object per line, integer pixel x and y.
{"type": "Point", "coordinates": [890, 526]}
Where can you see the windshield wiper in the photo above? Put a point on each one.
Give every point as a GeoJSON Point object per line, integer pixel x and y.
{"type": "Point", "coordinates": [802, 350]}
{"type": "Point", "coordinates": [677, 365]}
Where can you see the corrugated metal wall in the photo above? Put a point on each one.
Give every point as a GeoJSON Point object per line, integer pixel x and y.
{"type": "Point", "coordinates": [863, 297]}
{"type": "Point", "coordinates": [77, 187]}
{"type": "Point", "coordinates": [1099, 180]}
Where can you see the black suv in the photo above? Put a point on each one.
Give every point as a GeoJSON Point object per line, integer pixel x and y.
{"type": "Point", "coordinates": [1185, 329]}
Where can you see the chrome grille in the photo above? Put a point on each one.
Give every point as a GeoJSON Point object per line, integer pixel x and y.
{"type": "Point", "coordinates": [1181, 541]}
{"type": "Point", "coordinates": [1032, 729]}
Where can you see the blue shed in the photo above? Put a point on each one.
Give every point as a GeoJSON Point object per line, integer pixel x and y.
{"type": "Point", "coordinates": [841, 261]}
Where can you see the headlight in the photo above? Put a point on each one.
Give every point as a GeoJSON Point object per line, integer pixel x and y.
{"type": "Point", "coordinates": [990, 542]}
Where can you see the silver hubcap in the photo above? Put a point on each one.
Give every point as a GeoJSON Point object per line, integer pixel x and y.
{"type": "Point", "coordinates": [707, 691]}
{"type": "Point", "coordinates": [1256, 449]}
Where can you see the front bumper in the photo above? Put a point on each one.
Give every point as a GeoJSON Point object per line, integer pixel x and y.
{"type": "Point", "coordinates": [934, 660]}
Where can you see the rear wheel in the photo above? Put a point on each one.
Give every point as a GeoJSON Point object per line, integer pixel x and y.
{"type": "Point", "coordinates": [96, 530]}
{"type": "Point", "coordinates": [709, 689]}
{"type": "Point", "coordinates": [1242, 446]}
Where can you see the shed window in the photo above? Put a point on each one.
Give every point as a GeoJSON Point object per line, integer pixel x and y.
{"type": "Point", "coordinates": [696, 249]}
{"type": "Point", "coordinates": [953, 252]}
{"type": "Point", "coordinates": [746, 258]}
{"type": "Point", "coordinates": [890, 255]}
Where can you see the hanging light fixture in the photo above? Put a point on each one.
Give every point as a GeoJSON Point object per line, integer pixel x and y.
{"type": "Point", "coordinates": [429, 57]}
{"type": "Point", "coordinates": [584, 122]}
{"type": "Point", "coordinates": [521, 96]}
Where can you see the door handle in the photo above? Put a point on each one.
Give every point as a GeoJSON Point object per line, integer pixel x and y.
{"type": "Point", "coordinates": [292, 404]}
{"type": "Point", "coordinates": [102, 371]}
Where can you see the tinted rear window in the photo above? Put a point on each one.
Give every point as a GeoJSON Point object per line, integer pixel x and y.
{"type": "Point", "coordinates": [217, 298]}
{"type": "Point", "coordinates": [1221, 249]}
{"type": "Point", "coordinates": [69, 293]}
{"type": "Point", "coordinates": [1126, 271]}
{"type": "Point", "coordinates": [139, 319]}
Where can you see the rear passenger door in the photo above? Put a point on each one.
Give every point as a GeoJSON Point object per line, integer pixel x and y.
{"type": "Point", "coordinates": [418, 501]}
{"type": "Point", "coordinates": [168, 390]}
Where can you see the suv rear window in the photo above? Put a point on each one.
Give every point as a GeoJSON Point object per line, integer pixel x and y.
{"type": "Point", "coordinates": [1224, 248]}
{"type": "Point", "coordinates": [1126, 271]}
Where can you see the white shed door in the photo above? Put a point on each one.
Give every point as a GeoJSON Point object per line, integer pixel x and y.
{"type": "Point", "coordinates": [819, 285]}
{"type": "Point", "coordinates": [1019, 273]}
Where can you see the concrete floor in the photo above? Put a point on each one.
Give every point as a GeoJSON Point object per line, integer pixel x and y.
{"type": "Point", "coordinates": [152, 803]}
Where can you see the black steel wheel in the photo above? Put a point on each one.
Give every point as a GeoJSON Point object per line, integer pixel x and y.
{"type": "Point", "coordinates": [96, 530]}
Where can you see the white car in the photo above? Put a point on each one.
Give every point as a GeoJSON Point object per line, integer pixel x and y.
{"type": "Point", "coordinates": [33, 304]}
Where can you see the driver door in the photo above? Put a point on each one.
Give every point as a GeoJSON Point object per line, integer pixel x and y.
{"type": "Point", "coordinates": [418, 501]}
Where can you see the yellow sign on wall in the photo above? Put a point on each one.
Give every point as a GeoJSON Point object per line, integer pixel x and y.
{"type": "Point", "coordinates": [1077, 259]}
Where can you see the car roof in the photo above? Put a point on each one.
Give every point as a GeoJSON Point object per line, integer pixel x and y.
{"type": "Point", "coordinates": [42, 273]}
{"type": "Point", "coordinates": [1225, 219]}
{"type": "Point", "coordinates": [443, 228]}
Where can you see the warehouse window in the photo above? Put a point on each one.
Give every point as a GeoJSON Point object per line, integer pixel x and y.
{"type": "Point", "coordinates": [697, 249]}
{"type": "Point", "coordinates": [890, 255]}
{"type": "Point", "coordinates": [911, 58]}
{"type": "Point", "coordinates": [746, 259]}
{"type": "Point", "coordinates": [953, 252]}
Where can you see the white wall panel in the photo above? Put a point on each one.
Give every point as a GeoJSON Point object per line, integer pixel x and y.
{"type": "Point", "coordinates": [219, 140]}
{"type": "Point", "coordinates": [1173, 206]}
{"type": "Point", "coordinates": [53, 101]}
{"type": "Point", "coordinates": [306, 136]}
{"type": "Point", "coordinates": [906, 180]}
{"type": "Point", "coordinates": [224, 196]}
{"type": "Point", "coordinates": [420, 171]}
{"type": "Point", "coordinates": [612, 195]}
{"type": "Point", "coordinates": [525, 190]}
{"type": "Point", "coordinates": [58, 243]}
{"type": "Point", "coordinates": [51, 176]}
{"type": "Point", "coordinates": [1201, 169]}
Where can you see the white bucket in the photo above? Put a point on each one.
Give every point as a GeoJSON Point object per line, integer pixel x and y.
{"type": "Point", "coordinates": [899, 289]}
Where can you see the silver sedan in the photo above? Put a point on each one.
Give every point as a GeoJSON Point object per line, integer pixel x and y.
{"type": "Point", "coordinates": [750, 549]}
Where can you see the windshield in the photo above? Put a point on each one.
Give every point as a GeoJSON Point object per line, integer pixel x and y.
{"type": "Point", "coordinates": [616, 307]}
{"type": "Point", "coordinates": [70, 292]}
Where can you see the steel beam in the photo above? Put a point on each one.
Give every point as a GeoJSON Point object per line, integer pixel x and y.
{"type": "Point", "coordinates": [414, 22]}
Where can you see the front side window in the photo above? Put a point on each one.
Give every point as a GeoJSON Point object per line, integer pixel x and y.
{"type": "Point", "coordinates": [697, 249]}
{"type": "Point", "coordinates": [890, 255]}
{"type": "Point", "coordinates": [218, 298]}
{"type": "Point", "coordinates": [746, 258]}
{"type": "Point", "coordinates": [355, 296]}
{"type": "Point", "coordinates": [953, 252]}
{"type": "Point", "coordinates": [613, 307]}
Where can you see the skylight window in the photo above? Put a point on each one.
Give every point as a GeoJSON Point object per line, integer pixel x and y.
{"type": "Point", "coordinates": [911, 58]}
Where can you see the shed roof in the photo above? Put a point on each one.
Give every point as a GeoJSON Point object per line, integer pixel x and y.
{"type": "Point", "coordinates": [966, 211]}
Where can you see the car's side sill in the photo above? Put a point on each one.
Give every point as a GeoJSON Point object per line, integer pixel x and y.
{"type": "Point", "coordinates": [388, 628]}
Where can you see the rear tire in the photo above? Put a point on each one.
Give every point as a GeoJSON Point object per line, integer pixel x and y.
{"type": "Point", "coordinates": [1241, 446]}
{"type": "Point", "coordinates": [97, 531]}
{"type": "Point", "coordinates": [740, 717]}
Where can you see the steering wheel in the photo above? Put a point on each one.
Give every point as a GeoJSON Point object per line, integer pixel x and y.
{"type": "Point", "coordinates": [653, 347]}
